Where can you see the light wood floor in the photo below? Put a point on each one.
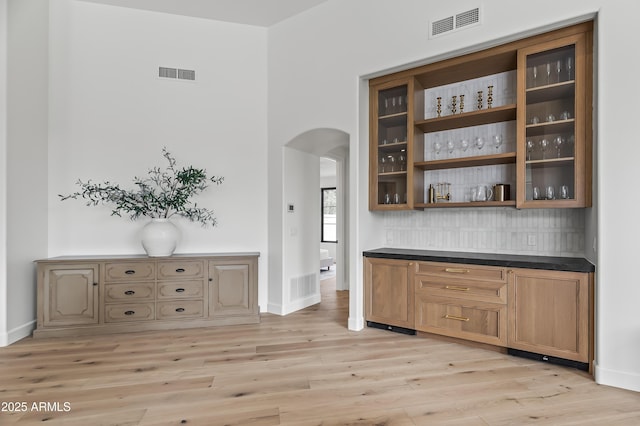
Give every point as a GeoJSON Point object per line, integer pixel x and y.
{"type": "Point", "coordinates": [302, 369]}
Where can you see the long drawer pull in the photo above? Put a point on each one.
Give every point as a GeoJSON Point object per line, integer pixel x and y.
{"type": "Point", "coordinates": [129, 312]}
{"type": "Point", "coordinates": [179, 309]}
{"type": "Point", "coordinates": [179, 270]}
{"type": "Point", "coordinates": [129, 272]}
{"type": "Point", "coordinates": [456, 288]}
{"type": "Point", "coordinates": [179, 290]}
{"type": "Point", "coordinates": [129, 292]}
{"type": "Point", "coordinates": [453, 317]}
{"type": "Point", "coordinates": [456, 270]}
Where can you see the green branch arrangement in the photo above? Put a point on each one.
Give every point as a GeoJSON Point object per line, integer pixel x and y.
{"type": "Point", "coordinates": [163, 194]}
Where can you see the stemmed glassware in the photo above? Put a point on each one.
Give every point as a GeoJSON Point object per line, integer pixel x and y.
{"type": "Point", "coordinates": [558, 142]}
{"type": "Point", "coordinates": [569, 66]}
{"type": "Point", "coordinates": [544, 145]}
{"type": "Point", "coordinates": [437, 146]}
{"type": "Point", "coordinates": [402, 160]}
{"type": "Point", "coordinates": [559, 69]}
{"type": "Point", "coordinates": [450, 147]}
{"type": "Point", "coordinates": [464, 145]}
{"type": "Point", "coordinates": [497, 141]}
{"type": "Point", "coordinates": [548, 72]}
{"type": "Point", "coordinates": [530, 146]}
{"type": "Point", "coordinates": [383, 163]}
{"type": "Point", "coordinates": [478, 142]}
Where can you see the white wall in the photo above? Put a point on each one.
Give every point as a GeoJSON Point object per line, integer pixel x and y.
{"type": "Point", "coordinates": [26, 165]}
{"type": "Point", "coordinates": [3, 172]}
{"type": "Point", "coordinates": [316, 61]}
{"type": "Point", "coordinates": [111, 115]}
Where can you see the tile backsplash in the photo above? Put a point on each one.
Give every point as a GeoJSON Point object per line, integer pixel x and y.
{"type": "Point", "coordinates": [542, 232]}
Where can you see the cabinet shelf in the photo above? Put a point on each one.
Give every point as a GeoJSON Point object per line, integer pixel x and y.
{"type": "Point", "coordinates": [551, 162]}
{"type": "Point", "coordinates": [509, 203]}
{"type": "Point", "coordinates": [398, 119]}
{"type": "Point", "coordinates": [558, 126]}
{"type": "Point", "coordinates": [393, 147]}
{"type": "Point", "coordinates": [457, 163]}
{"type": "Point", "coordinates": [565, 89]}
{"type": "Point", "coordinates": [468, 119]}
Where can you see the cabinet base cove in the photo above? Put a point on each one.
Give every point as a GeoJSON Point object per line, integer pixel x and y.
{"type": "Point", "coordinates": [90, 295]}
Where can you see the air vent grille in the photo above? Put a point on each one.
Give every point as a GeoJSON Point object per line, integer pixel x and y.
{"type": "Point", "coordinates": [468, 18]}
{"type": "Point", "coordinates": [455, 22]}
{"type": "Point", "coordinates": [176, 73]}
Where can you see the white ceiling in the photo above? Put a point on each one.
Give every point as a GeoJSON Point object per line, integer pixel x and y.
{"type": "Point", "coordinates": [262, 13]}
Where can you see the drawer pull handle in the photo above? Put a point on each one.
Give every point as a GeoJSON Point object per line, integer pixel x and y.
{"type": "Point", "coordinates": [129, 292]}
{"type": "Point", "coordinates": [129, 272]}
{"type": "Point", "coordinates": [129, 312]}
{"type": "Point", "coordinates": [179, 290]}
{"type": "Point", "coordinates": [179, 309]}
{"type": "Point", "coordinates": [179, 270]}
{"type": "Point", "coordinates": [456, 270]}
{"type": "Point", "coordinates": [456, 288]}
{"type": "Point", "coordinates": [453, 317]}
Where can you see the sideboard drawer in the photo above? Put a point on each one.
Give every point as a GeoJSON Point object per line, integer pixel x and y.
{"type": "Point", "coordinates": [129, 312]}
{"type": "Point", "coordinates": [180, 269]}
{"type": "Point", "coordinates": [133, 271]}
{"type": "Point", "coordinates": [176, 309]}
{"type": "Point", "coordinates": [129, 292]}
{"type": "Point", "coordinates": [181, 290]}
{"type": "Point", "coordinates": [462, 271]}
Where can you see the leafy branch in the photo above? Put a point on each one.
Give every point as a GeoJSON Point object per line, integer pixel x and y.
{"type": "Point", "coordinates": [163, 194]}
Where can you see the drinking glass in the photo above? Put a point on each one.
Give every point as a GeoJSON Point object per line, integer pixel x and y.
{"type": "Point", "coordinates": [391, 159]}
{"type": "Point", "coordinates": [564, 192]}
{"type": "Point", "coordinates": [558, 69]}
{"type": "Point", "coordinates": [569, 66]}
{"type": "Point", "coordinates": [478, 142]}
{"type": "Point", "coordinates": [530, 146]}
{"type": "Point", "coordinates": [535, 76]}
{"type": "Point", "coordinates": [383, 163]}
{"type": "Point", "coordinates": [464, 145]}
{"type": "Point", "coordinates": [497, 141]}
{"type": "Point", "coordinates": [402, 160]}
{"type": "Point", "coordinates": [536, 193]}
{"type": "Point", "coordinates": [548, 72]}
{"type": "Point", "coordinates": [450, 147]}
{"type": "Point", "coordinates": [437, 146]}
{"type": "Point", "coordinates": [544, 144]}
{"type": "Point", "coordinates": [550, 192]}
{"type": "Point", "coordinates": [558, 142]}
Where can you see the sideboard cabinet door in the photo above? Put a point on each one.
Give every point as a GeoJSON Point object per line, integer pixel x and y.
{"type": "Point", "coordinates": [233, 288]}
{"type": "Point", "coordinates": [70, 294]}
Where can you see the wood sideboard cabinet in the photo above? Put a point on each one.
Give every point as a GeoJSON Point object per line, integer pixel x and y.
{"type": "Point", "coordinates": [115, 294]}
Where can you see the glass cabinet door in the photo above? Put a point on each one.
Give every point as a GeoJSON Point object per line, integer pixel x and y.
{"type": "Point", "coordinates": [390, 165]}
{"type": "Point", "coordinates": [554, 92]}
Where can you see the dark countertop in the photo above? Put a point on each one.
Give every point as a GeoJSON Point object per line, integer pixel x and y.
{"type": "Point", "coordinates": [572, 264]}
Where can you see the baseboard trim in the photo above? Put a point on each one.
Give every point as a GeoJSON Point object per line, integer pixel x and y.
{"type": "Point", "coordinates": [618, 379]}
{"type": "Point", "coordinates": [17, 333]}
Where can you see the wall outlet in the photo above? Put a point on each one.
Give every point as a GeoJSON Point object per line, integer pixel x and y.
{"type": "Point", "coordinates": [532, 239]}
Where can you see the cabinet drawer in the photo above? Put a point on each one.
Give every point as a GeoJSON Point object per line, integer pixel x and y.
{"type": "Point", "coordinates": [180, 269]}
{"type": "Point", "coordinates": [129, 312]}
{"type": "Point", "coordinates": [180, 289]}
{"type": "Point", "coordinates": [477, 321]}
{"type": "Point", "coordinates": [482, 291]}
{"type": "Point", "coordinates": [129, 292]}
{"type": "Point", "coordinates": [180, 309]}
{"type": "Point", "coordinates": [462, 271]}
{"type": "Point", "coordinates": [132, 271]}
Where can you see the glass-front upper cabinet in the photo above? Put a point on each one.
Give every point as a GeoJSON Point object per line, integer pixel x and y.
{"type": "Point", "coordinates": [554, 123]}
{"type": "Point", "coordinates": [391, 146]}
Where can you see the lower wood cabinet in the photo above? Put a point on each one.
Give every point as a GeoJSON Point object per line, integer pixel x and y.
{"type": "Point", "coordinates": [550, 312]}
{"type": "Point", "coordinates": [546, 313]}
{"type": "Point", "coordinates": [389, 293]}
{"type": "Point", "coordinates": [93, 295]}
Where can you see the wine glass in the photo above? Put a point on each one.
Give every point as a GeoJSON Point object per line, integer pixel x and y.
{"type": "Point", "coordinates": [383, 163]}
{"type": "Point", "coordinates": [558, 142]}
{"type": "Point", "coordinates": [535, 75]}
{"type": "Point", "coordinates": [478, 142]}
{"type": "Point", "coordinates": [437, 146]}
{"type": "Point", "coordinates": [569, 66]}
{"type": "Point", "coordinates": [558, 69]}
{"type": "Point", "coordinates": [544, 145]}
{"type": "Point", "coordinates": [530, 146]}
{"type": "Point", "coordinates": [391, 159]}
{"type": "Point", "coordinates": [450, 146]}
{"type": "Point", "coordinates": [497, 141]}
{"type": "Point", "coordinates": [402, 160]}
{"type": "Point", "coordinates": [548, 72]}
{"type": "Point", "coordinates": [464, 145]}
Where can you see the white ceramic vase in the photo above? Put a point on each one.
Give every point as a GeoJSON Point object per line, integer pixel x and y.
{"type": "Point", "coordinates": [159, 237]}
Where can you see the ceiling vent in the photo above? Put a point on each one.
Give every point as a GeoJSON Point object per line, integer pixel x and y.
{"type": "Point", "coordinates": [176, 73]}
{"type": "Point", "coordinates": [456, 22]}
